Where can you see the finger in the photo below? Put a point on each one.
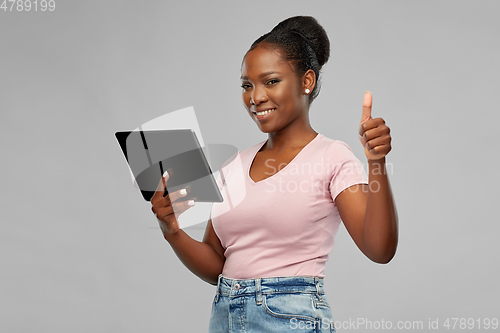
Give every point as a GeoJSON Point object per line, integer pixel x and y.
{"type": "Point", "coordinates": [366, 126]}
{"type": "Point", "coordinates": [379, 151]}
{"type": "Point", "coordinates": [181, 207]}
{"type": "Point", "coordinates": [375, 132]}
{"type": "Point", "coordinates": [174, 210]}
{"type": "Point", "coordinates": [378, 141]}
{"type": "Point", "coordinates": [370, 135]}
{"type": "Point", "coordinates": [371, 124]}
{"type": "Point", "coordinates": [367, 107]}
{"type": "Point", "coordinates": [163, 213]}
{"type": "Point", "coordinates": [165, 201]}
{"type": "Point", "coordinates": [177, 194]}
{"type": "Point", "coordinates": [160, 189]}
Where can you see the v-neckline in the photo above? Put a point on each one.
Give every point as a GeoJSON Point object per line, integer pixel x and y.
{"type": "Point", "coordinates": [293, 160]}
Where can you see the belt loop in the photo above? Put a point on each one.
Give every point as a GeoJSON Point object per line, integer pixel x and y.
{"type": "Point", "coordinates": [218, 288]}
{"type": "Point", "coordinates": [316, 281]}
{"type": "Point", "coordinates": [258, 291]}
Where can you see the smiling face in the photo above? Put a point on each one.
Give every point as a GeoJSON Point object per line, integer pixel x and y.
{"type": "Point", "coordinates": [272, 93]}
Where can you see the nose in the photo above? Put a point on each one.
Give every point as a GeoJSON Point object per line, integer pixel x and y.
{"type": "Point", "coordinates": [258, 96]}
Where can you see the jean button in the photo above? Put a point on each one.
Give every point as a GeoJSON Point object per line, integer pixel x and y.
{"type": "Point", "coordinates": [236, 286]}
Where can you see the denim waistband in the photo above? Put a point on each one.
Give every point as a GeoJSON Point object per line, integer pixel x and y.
{"type": "Point", "coordinates": [270, 285]}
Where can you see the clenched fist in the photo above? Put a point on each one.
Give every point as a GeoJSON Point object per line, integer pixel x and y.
{"type": "Point", "coordinates": [374, 134]}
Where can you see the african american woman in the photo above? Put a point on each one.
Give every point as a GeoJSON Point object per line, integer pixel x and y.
{"type": "Point", "coordinates": [265, 247]}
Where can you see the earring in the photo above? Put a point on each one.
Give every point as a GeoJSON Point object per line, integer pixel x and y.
{"type": "Point", "coordinates": [308, 91]}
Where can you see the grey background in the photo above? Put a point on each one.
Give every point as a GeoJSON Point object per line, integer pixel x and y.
{"type": "Point", "coordinates": [80, 250]}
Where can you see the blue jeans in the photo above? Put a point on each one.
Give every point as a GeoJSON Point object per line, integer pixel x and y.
{"type": "Point", "coordinates": [277, 304]}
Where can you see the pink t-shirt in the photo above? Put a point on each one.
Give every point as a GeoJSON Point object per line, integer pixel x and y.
{"type": "Point", "coordinates": [284, 225]}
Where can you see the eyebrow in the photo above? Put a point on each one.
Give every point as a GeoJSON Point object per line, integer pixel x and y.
{"type": "Point", "coordinates": [261, 75]}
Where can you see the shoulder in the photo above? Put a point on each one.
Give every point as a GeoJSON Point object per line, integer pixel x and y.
{"type": "Point", "coordinates": [336, 149]}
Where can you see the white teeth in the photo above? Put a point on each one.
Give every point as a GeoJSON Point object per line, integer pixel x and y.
{"type": "Point", "coordinates": [264, 112]}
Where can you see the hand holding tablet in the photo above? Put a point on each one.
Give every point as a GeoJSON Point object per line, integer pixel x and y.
{"type": "Point", "coordinates": [167, 208]}
{"type": "Point", "coordinates": [150, 153]}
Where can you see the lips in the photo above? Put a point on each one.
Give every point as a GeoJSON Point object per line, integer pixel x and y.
{"type": "Point", "coordinates": [263, 112]}
{"type": "Point", "coordinates": [263, 115]}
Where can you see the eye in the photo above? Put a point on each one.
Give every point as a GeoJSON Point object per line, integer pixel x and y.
{"type": "Point", "coordinates": [246, 86]}
{"type": "Point", "coordinates": [273, 81]}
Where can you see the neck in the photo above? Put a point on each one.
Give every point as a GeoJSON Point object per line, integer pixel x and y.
{"type": "Point", "coordinates": [290, 138]}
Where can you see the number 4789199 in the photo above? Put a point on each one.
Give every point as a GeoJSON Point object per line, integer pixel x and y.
{"type": "Point", "coordinates": [28, 5]}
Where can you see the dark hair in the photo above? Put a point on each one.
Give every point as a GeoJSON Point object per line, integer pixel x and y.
{"type": "Point", "coordinates": [304, 42]}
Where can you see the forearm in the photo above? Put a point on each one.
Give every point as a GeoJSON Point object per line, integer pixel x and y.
{"type": "Point", "coordinates": [380, 231]}
{"type": "Point", "coordinates": [200, 258]}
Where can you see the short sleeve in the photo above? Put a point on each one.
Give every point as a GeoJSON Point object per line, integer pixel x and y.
{"type": "Point", "coordinates": [344, 168]}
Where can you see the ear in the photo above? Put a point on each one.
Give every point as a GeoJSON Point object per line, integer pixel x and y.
{"type": "Point", "coordinates": [308, 80]}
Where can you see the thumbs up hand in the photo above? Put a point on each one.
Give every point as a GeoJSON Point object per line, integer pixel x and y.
{"type": "Point", "coordinates": [374, 135]}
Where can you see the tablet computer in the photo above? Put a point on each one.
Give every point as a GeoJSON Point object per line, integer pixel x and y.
{"type": "Point", "coordinates": [149, 153]}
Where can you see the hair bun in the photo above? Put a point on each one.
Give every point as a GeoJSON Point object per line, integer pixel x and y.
{"type": "Point", "coordinates": [303, 42]}
{"type": "Point", "coordinates": [309, 28]}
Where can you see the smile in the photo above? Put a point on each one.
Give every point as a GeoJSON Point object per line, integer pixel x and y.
{"type": "Point", "coordinates": [263, 114]}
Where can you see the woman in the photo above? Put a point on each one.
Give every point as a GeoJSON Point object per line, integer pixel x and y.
{"type": "Point", "coordinates": [267, 252]}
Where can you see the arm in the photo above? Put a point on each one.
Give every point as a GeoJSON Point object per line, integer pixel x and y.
{"type": "Point", "coordinates": [368, 211]}
{"type": "Point", "coordinates": [369, 214]}
{"type": "Point", "coordinates": [205, 259]}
